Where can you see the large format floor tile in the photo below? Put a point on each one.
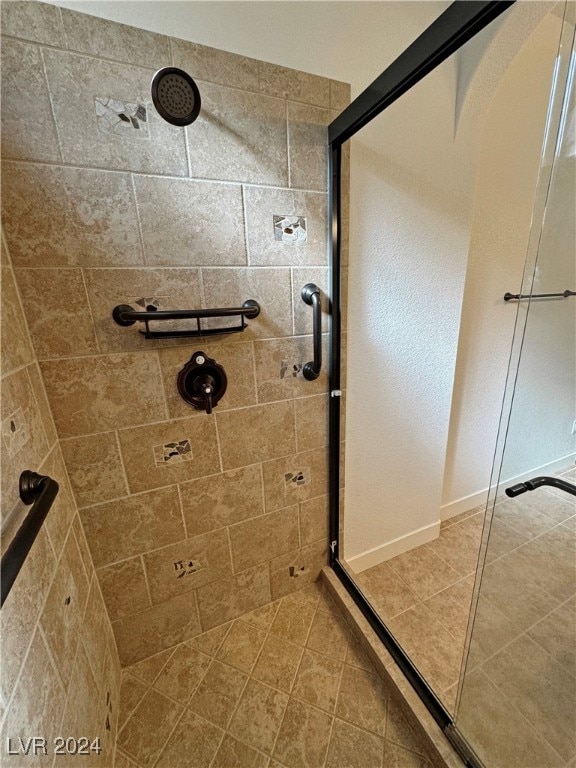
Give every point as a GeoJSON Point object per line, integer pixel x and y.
{"type": "Point", "coordinates": [284, 686]}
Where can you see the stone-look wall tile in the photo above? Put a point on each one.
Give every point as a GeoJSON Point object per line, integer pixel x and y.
{"type": "Point", "coordinates": [83, 546]}
{"type": "Point", "coordinates": [61, 618]}
{"type": "Point", "coordinates": [225, 600]}
{"type": "Point", "coordinates": [39, 713]}
{"type": "Point", "coordinates": [145, 521]}
{"type": "Point", "coordinates": [82, 719]}
{"type": "Point", "coordinates": [39, 390]}
{"type": "Point", "coordinates": [262, 204]}
{"type": "Point", "coordinates": [254, 434]}
{"type": "Point", "coordinates": [56, 216]}
{"type": "Point", "coordinates": [28, 130]}
{"type": "Point", "coordinates": [314, 520]}
{"type": "Point", "coordinates": [190, 222]}
{"type": "Point", "coordinates": [339, 94]}
{"type": "Point", "coordinates": [236, 359]}
{"type": "Point", "coordinates": [16, 349]}
{"type": "Point", "coordinates": [239, 136]}
{"type": "Point", "coordinates": [294, 85]}
{"type": "Point", "coordinates": [74, 81]}
{"type": "Point", "coordinates": [38, 22]}
{"type": "Point", "coordinates": [95, 468]}
{"type": "Point", "coordinates": [269, 287]}
{"type": "Point", "coordinates": [20, 612]}
{"type": "Point", "coordinates": [295, 478]}
{"type": "Point", "coordinates": [145, 451]}
{"type": "Point", "coordinates": [264, 538]}
{"type": "Point", "coordinates": [221, 500]}
{"type": "Point", "coordinates": [302, 311]}
{"type": "Point", "coordinates": [100, 393]}
{"type": "Point", "coordinates": [96, 633]}
{"type": "Point", "coordinates": [311, 421]}
{"type": "Point", "coordinates": [215, 66]}
{"type": "Point", "coordinates": [295, 570]}
{"type": "Point", "coordinates": [279, 364]}
{"type": "Point", "coordinates": [187, 565]}
{"type": "Point", "coordinates": [4, 255]}
{"type": "Point", "coordinates": [164, 288]}
{"type": "Point", "coordinates": [110, 40]}
{"type": "Point", "coordinates": [157, 628]}
{"type": "Point", "coordinates": [57, 312]}
{"type": "Point", "coordinates": [124, 588]}
{"type": "Point", "coordinates": [63, 508]}
{"type": "Point", "coordinates": [24, 442]}
{"type": "Point", "coordinates": [308, 146]}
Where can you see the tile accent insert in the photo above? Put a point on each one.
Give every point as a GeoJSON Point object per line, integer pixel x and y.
{"type": "Point", "coordinates": [114, 116]}
{"type": "Point", "coordinates": [173, 453]}
{"type": "Point", "coordinates": [290, 229]}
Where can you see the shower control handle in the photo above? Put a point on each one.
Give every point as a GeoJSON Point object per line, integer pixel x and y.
{"type": "Point", "coordinates": [202, 382]}
{"type": "Point", "coordinates": [204, 385]}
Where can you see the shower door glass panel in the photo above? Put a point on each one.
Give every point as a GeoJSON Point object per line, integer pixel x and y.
{"type": "Point", "coordinates": [517, 704]}
{"type": "Point", "coordinates": [442, 186]}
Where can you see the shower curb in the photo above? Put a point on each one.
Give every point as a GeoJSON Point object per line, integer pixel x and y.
{"type": "Point", "coordinates": [438, 748]}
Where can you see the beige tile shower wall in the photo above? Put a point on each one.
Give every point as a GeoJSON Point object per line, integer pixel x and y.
{"type": "Point", "coordinates": [179, 217]}
{"type": "Point", "coordinates": [59, 666]}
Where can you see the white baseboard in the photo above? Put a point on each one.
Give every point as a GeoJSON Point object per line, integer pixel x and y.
{"type": "Point", "coordinates": [466, 503]}
{"type": "Point", "coordinates": [395, 547]}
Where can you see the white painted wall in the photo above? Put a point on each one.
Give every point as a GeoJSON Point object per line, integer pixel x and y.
{"type": "Point", "coordinates": [508, 166]}
{"type": "Point", "coordinates": [411, 203]}
{"type": "Point", "coordinates": [348, 41]}
{"type": "Point", "coordinates": [413, 194]}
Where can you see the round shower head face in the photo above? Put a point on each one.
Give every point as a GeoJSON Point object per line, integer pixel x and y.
{"type": "Point", "coordinates": [175, 96]}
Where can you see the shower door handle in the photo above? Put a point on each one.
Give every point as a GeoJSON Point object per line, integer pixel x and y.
{"type": "Point", "coordinates": [311, 295]}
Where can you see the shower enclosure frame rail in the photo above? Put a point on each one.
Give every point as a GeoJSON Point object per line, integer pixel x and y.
{"type": "Point", "coordinates": [453, 28]}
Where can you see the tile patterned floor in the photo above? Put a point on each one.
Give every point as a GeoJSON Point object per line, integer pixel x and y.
{"type": "Point", "coordinates": [285, 686]}
{"type": "Point", "coordinates": [521, 667]}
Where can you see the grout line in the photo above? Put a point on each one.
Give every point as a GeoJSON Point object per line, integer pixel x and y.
{"type": "Point", "coordinates": [90, 310]}
{"type": "Point", "coordinates": [288, 163]}
{"type": "Point", "coordinates": [142, 254]}
{"type": "Point", "coordinates": [179, 491]}
{"type": "Point", "coordinates": [52, 113]}
{"type": "Point", "coordinates": [146, 580]}
{"type": "Point", "coordinates": [248, 260]}
{"type": "Point", "coordinates": [182, 177]}
{"type": "Point", "coordinates": [124, 472]}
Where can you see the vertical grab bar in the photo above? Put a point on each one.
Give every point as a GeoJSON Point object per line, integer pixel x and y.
{"type": "Point", "coordinates": [311, 296]}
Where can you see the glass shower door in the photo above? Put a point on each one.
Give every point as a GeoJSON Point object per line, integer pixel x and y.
{"type": "Point", "coordinates": [517, 695]}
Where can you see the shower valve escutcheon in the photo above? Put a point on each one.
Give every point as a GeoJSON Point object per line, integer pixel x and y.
{"type": "Point", "coordinates": [202, 382]}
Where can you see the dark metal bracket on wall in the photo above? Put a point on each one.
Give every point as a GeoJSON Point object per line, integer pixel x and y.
{"type": "Point", "coordinates": [125, 315]}
{"type": "Point", "coordinates": [40, 491]}
{"type": "Point", "coordinates": [460, 22]}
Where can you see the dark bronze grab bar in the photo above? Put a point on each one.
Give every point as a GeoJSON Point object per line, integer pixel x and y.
{"type": "Point", "coordinates": [518, 296]}
{"type": "Point", "coordinates": [125, 315]}
{"type": "Point", "coordinates": [536, 482]}
{"type": "Point", "coordinates": [311, 295]}
{"type": "Point", "coordinates": [40, 491]}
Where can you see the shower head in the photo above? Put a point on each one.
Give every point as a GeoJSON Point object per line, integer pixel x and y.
{"type": "Point", "coordinates": [175, 96]}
